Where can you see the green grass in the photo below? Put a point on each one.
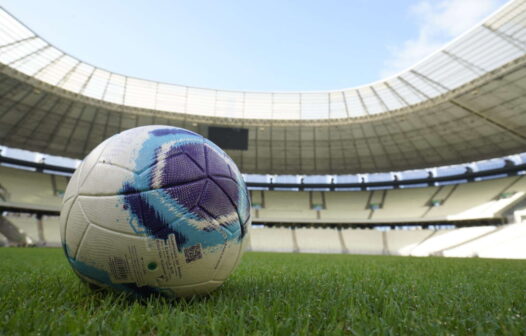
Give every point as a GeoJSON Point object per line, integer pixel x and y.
{"type": "Point", "coordinates": [279, 294]}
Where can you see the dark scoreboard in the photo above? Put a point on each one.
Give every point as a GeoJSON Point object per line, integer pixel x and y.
{"type": "Point", "coordinates": [228, 137]}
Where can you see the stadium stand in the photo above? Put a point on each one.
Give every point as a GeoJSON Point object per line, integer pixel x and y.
{"type": "Point", "coordinates": [28, 188]}
{"type": "Point", "coordinates": [286, 204]}
{"type": "Point", "coordinates": [27, 197]}
{"type": "Point", "coordinates": [446, 239]}
{"type": "Point", "coordinates": [272, 239]}
{"type": "Point", "coordinates": [13, 235]}
{"type": "Point", "coordinates": [27, 225]}
{"type": "Point", "coordinates": [363, 241]}
{"type": "Point", "coordinates": [505, 241]}
{"type": "Point", "coordinates": [482, 199]}
{"type": "Point", "coordinates": [472, 200]}
{"type": "Point", "coordinates": [402, 242]}
{"type": "Point", "coordinates": [405, 203]}
{"type": "Point", "coordinates": [347, 205]}
{"type": "Point", "coordinates": [318, 240]}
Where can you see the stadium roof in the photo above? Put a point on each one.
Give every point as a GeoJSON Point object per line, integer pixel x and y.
{"type": "Point", "coordinates": [463, 103]}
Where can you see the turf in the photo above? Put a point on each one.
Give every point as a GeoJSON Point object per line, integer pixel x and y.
{"type": "Point", "coordinates": [279, 294]}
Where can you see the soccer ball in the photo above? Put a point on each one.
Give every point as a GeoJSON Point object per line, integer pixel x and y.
{"type": "Point", "coordinates": [155, 209]}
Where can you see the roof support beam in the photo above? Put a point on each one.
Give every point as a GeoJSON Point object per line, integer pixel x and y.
{"type": "Point", "coordinates": [8, 92]}
{"type": "Point", "coordinates": [58, 58]}
{"type": "Point", "coordinates": [271, 131]}
{"type": "Point", "coordinates": [508, 38]}
{"type": "Point", "coordinates": [465, 63]}
{"type": "Point", "coordinates": [402, 99]}
{"type": "Point", "coordinates": [362, 102]}
{"type": "Point", "coordinates": [433, 83]}
{"type": "Point", "coordinates": [315, 148]}
{"type": "Point", "coordinates": [423, 137]}
{"type": "Point", "coordinates": [475, 68]}
{"type": "Point", "coordinates": [28, 55]}
{"type": "Point", "coordinates": [256, 149]}
{"type": "Point", "coordinates": [329, 143]}
{"type": "Point", "coordinates": [53, 134]}
{"type": "Point", "coordinates": [16, 102]}
{"type": "Point", "coordinates": [65, 78]}
{"type": "Point", "coordinates": [73, 129]}
{"type": "Point", "coordinates": [106, 86]}
{"type": "Point", "coordinates": [375, 136]}
{"type": "Point", "coordinates": [345, 104]}
{"type": "Point", "coordinates": [414, 88]}
{"type": "Point", "coordinates": [380, 100]}
{"type": "Point", "coordinates": [342, 148]}
{"type": "Point", "coordinates": [7, 45]}
{"type": "Point", "coordinates": [39, 120]}
{"type": "Point", "coordinates": [85, 84]}
{"type": "Point", "coordinates": [286, 146]}
{"type": "Point", "coordinates": [395, 121]}
{"type": "Point", "coordinates": [490, 120]}
{"type": "Point", "coordinates": [29, 110]}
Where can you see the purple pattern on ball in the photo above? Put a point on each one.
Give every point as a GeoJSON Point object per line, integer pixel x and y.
{"type": "Point", "coordinates": [197, 177]}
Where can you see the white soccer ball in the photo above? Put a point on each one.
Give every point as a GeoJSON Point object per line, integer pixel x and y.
{"type": "Point", "coordinates": [155, 209]}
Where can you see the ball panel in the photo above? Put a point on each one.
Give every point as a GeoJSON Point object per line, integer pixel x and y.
{"type": "Point", "coordinates": [90, 161]}
{"type": "Point", "coordinates": [157, 143]}
{"type": "Point", "coordinates": [105, 179]}
{"type": "Point", "coordinates": [72, 188]}
{"type": "Point", "coordinates": [108, 212]}
{"type": "Point", "coordinates": [74, 228]}
{"type": "Point", "coordinates": [216, 165]}
{"type": "Point", "coordinates": [230, 256]}
{"type": "Point", "coordinates": [214, 202]}
{"type": "Point", "coordinates": [175, 170]}
{"type": "Point", "coordinates": [64, 214]}
{"type": "Point", "coordinates": [188, 194]}
{"type": "Point", "coordinates": [123, 148]}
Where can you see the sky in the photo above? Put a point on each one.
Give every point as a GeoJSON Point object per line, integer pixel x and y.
{"type": "Point", "coordinates": [260, 45]}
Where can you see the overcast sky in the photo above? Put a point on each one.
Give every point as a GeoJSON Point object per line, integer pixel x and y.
{"type": "Point", "coordinates": [253, 45]}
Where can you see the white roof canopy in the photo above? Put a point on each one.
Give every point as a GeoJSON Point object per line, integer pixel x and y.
{"type": "Point", "coordinates": [499, 40]}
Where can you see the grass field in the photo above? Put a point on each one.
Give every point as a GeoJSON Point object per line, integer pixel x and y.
{"type": "Point", "coordinates": [279, 294]}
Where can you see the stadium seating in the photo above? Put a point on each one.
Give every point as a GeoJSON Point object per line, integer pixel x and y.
{"type": "Point", "coordinates": [27, 223]}
{"type": "Point", "coordinates": [32, 188]}
{"type": "Point", "coordinates": [287, 204]}
{"type": "Point", "coordinates": [473, 200]}
{"type": "Point", "coordinates": [446, 239]}
{"type": "Point", "coordinates": [404, 203]}
{"type": "Point", "coordinates": [318, 240]}
{"type": "Point", "coordinates": [272, 239]}
{"type": "Point", "coordinates": [402, 242]}
{"type": "Point", "coordinates": [460, 201]}
{"type": "Point", "coordinates": [345, 205]}
{"type": "Point", "coordinates": [363, 241]}
{"type": "Point", "coordinates": [484, 199]}
{"type": "Point", "coordinates": [504, 242]}
{"type": "Point", "coordinates": [484, 241]}
{"type": "Point", "coordinates": [456, 202]}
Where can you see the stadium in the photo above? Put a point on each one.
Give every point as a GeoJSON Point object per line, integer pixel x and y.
{"type": "Point", "coordinates": [347, 187]}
